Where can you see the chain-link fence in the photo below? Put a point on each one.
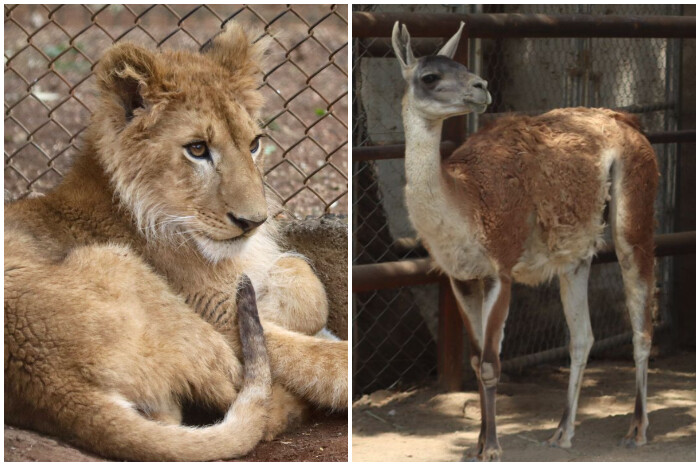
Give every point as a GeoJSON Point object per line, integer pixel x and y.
{"type": "Point", "coordinates": [51, 50]}
{"type": "Point", "coordinates": [396, 329]}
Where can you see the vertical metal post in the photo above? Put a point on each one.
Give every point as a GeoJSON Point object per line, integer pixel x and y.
{"type": "Point", "coordinates": [450, 327]}
{"type": "Point", "coordinates": [475, 62]}
{"type": "Point", "coordinates": [450, 342]}
{"type": "Point", "coordinates": [684, 271]}
{"type": "Point", "coordinates": [670, 182]}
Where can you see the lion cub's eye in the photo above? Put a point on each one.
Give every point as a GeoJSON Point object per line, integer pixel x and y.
{"type": "Point", "coordinates": [198, 150]}
{"type": "Point", "coordinates": [255, 145]}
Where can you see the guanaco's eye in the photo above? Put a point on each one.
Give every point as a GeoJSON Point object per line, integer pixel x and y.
{"type": "Point", "coordinates": [198, 150]}
{"type": "Point", "coordinates": [255, 145]}
{"type": "Point", "coordinates": [430, 78]}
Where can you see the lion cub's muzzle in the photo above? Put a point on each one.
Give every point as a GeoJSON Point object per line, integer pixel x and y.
{"type": "Point", "coordinates": [246, 224]}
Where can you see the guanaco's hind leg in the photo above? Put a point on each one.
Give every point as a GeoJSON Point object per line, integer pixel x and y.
{"type": "Point", "coordinates": [639, 294]}
{"type": "Point", "coordinates": [574, 296]}
{"type": "Point", "coordinates": [632, 219]}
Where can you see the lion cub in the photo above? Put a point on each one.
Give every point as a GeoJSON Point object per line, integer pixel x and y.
{"type": "Point", "coordinates": [134, 287]}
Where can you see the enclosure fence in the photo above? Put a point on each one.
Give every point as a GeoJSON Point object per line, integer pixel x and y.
{"type": "Point", "coordinates": [402, 322]}
{"type": "Point", "coordinates": [51, 50]}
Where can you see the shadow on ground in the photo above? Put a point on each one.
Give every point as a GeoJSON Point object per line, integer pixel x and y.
{"type": "Point", "coordinates": [426, 424]}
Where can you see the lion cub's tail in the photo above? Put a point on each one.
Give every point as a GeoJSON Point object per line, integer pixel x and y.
{"type": "Point", "coordinates": [119, 431]}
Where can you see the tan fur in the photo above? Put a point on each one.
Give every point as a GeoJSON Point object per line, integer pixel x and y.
{"type": "Point", "coordinates": [102, 275]}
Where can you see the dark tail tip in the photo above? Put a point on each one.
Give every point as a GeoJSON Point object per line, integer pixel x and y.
{"type": "Point", "coordinates": [249, 327]}
{"type": "Point", "coordinates": [245, 299]}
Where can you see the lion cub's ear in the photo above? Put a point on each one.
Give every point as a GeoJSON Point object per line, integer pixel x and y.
{"type": "Point", "coordinates": [131, 74]}
{"type": "Point", "coordinates": [234, 49]}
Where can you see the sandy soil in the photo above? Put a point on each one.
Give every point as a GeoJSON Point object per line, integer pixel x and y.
{"type": "Point", "coordinates": [325, 438]}
{"type": "Point", "coordinates": [428, 425]}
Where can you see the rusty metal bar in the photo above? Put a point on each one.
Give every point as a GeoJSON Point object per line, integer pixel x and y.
{"type": "Point", "coordinates": [396, 151]}
{"type": "Point", "coordinates": [450, 346]}
{"type": "Point", "coordinates": [370, 277]}
{"type": "Point", "coordinates": [519, 362]}
{"type": "Point", "coordinates": [670, 244]}
{"type": "Point", "coordinates": [504, 25]}
{"type": "Point", "coordinates": [412, 272]}
{"type": "Point", "coordinates": [392, 151]}
{"type": "Point", "coordinates": [663, 137]}
{"type": "Point", "coordinates": [381, 48]}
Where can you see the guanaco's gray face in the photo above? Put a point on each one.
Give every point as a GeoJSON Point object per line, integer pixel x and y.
{"type": "Point", "coordinates": [438, 86]}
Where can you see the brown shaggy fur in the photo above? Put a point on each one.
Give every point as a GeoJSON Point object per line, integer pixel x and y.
{"type": "Point", "coordinates": [546, 168]}
{"type": "Point", "coordinates": [126, 294]}
{"type": "Point", "coordinates": [542, 180]}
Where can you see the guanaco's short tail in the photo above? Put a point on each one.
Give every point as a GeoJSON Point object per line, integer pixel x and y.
{"type": "Point", "coordinates": [118, 431]}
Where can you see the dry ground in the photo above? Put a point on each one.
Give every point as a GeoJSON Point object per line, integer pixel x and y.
{"type": "Point", "coordinates": [325, 438]}
{"type": "Point", "coordinates": [428, 425]}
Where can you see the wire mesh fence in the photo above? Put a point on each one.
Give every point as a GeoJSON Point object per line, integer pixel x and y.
{"type": "Point", "coordinates": [50, 51]}
{"type": "Point", "coordinates": [396, 330]}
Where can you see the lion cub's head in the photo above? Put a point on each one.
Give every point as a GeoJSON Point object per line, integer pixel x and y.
{"type": "Point", "coordinates": [178, 134]}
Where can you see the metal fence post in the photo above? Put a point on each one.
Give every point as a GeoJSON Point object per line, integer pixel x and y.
{"type": "Point", "coordinates": [450, 347]}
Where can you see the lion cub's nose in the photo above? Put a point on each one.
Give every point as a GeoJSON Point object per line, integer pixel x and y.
{"type": "Point", "coordinates": [246, 224]}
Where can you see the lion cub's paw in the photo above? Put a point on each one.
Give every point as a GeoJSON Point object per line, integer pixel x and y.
{"type": "Point", "coordinates": [286, 412]}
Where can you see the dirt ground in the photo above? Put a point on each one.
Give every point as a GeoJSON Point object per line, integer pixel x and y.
{"type": "Point", "coordinates": [324, 438]}
{"type": "Point", "coordinates": [428, 425]}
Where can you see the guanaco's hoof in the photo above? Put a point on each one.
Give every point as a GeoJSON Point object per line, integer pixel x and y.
{"type": "Point", "coordinates": [634, 438]}
{"type": "Point", "coordinates": [559, 439]}
{"type": "Point", "coordinates": [490, 454]}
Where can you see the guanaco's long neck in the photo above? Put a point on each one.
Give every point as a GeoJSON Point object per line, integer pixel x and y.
{"type": "Point", "coordinates": [423, 169]}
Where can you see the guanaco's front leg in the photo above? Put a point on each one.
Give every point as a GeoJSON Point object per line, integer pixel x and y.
{"type": "Point", "coordinates": [495, 311]}
{"type": "Point", "coordinates": [470, 297]}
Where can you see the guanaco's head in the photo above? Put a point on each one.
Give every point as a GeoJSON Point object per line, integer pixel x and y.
{"type": "Point", "coordinates": [437, 86]}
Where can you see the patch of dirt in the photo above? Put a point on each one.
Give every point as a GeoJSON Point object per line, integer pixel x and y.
{"type": "Point", "coordinates": [429, 425]}
{"type": "Point", "coordinates": [324, 438]}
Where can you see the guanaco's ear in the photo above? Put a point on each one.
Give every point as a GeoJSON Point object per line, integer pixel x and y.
{"type": "Point", "coordinates": [401, 41]}
{"type": "Point", "coordinates": [130, 73]}
{"type": "Point", "coordinates": [448, 50]}
{"type": "Point", "coordinates": [234, 49]}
